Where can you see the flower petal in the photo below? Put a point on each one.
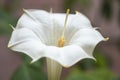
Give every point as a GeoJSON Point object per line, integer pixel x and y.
{"type": "Point", "coordinates": [39, 22]}
{"type": "Point", "coordinates": [72, 54]}
{"type": "Point", "coordinates": [74, 23]}
{"type": "Point", "coordinates": [66, 56]}
{"type": "Point", "coordinates": [46, 25]}
{"type": "Point", "coordinates": [87, 39]}
{"type": "Point", "coordinates": [24, 40]}
{"type": "Point", "coordinates": [80, 21]}
{"type": "Point", "coordinates": [34, 17]}
{"type": "Point", "coordinates": [74, 20]}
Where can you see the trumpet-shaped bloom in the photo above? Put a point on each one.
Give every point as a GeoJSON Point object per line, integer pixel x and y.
{"type": "Point", "coordinates": [38, 34]}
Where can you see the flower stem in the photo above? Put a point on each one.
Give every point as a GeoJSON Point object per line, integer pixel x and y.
{"type": "Point", "coordinates": [54, 69]}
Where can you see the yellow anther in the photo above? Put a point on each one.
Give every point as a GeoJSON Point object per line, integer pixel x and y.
{"type": "Point", "coordinates": [106, 39]}
{"type": "Point", "coordinates": [61, 42]}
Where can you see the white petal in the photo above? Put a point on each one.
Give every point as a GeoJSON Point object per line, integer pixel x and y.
{"type": "Point", "coordinates": [66, 56]}
{"type": "Point", "coordinates": [72, 54]}
{"type": "Point", "coordinates": [24, 40]}
{"type": "Point", "coordinates": [48, 27]}
{"type": "Point", "coordinates": [34, 17]}
{"type": "Point", "coordinates": [74, 20]}
{"type": "Point", "coordinates": [80, 21]}
{"type": "Point", "coordinates": [39, 22]}
{"type": "Point", "coordinates": [87, 39]}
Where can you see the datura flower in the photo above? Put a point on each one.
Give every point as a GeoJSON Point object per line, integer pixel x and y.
{"type": "Point", "coordinates": [64, 39]}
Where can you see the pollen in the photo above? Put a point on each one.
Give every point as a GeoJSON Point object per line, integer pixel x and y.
{"type": "Point", "coordinates": [61, 42]}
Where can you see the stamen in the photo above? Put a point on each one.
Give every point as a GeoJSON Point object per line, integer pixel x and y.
{"type": "Point", "coordinates": [106, 39]}
{"type": "Point", "coordinates": [12, 26]}
{"type": "Point", "coordinates": [61, 41]}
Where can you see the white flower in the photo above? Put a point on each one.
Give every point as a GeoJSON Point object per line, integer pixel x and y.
{"type": "Point", "coordinates": [39, 34]}
{"type": "Point", "coordinates": [64, 39]}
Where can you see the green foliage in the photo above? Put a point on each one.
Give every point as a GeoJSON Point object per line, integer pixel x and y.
{"type": "Point", "coordinates": [98, 74]}
{"type": "Point", "coordinates": [69, 4]}
{"type": "Point", "coordinates": [89, 69]}
{"type": "Point", "coordinates": [101, 62]}
{"type": "Point", "coordinates": [5, 20]}
{"type": "Point", "coordinates": [106, 9]}
{"type": "Point", "coordinates": [84, 3]}
{"type": "Point", "coordinates": [29, 71]}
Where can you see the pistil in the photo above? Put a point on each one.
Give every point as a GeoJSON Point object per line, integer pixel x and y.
{"type": "Point", "coordinates": [61, 41]}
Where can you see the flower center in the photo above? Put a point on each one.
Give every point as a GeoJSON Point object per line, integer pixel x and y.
{"type": "Point", "coordinates": [61, 41]}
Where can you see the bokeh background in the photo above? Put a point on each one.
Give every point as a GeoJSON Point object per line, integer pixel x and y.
{"type": "Point", "coordinates": [104, 14]}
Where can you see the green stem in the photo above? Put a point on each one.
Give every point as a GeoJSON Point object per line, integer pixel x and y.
{"type": "Point", "coordinates": [54, 69]}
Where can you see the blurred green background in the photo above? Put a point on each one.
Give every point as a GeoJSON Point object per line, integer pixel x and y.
{"type": "Point", "coordinates": [102, 13]}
